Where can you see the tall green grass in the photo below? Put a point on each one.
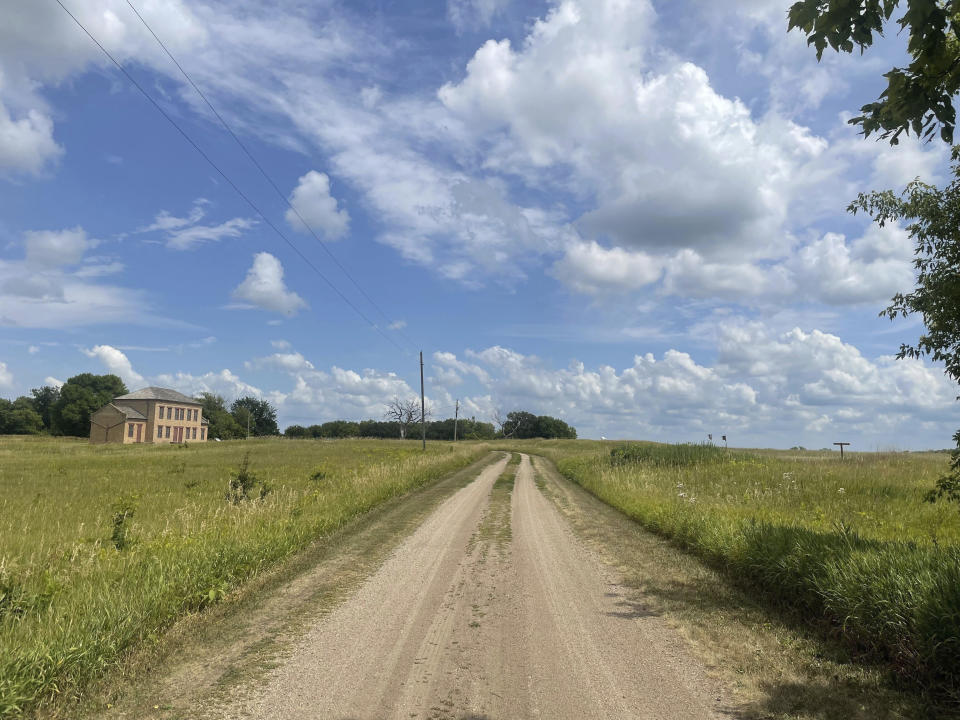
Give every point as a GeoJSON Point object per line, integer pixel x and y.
{"type": "Point", "coordinates": [71, 603]}
{"type": "Point", "coordinates": [852, 545]}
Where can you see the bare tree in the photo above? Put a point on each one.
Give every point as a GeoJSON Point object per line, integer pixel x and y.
{"type": "Point", "coordinates": [404, 412]}
{"type": "Point", "coordinates": [499, 422]}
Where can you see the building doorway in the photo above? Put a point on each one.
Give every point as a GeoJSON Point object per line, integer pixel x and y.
{"type": "Point", "coordinates": [139, 431]}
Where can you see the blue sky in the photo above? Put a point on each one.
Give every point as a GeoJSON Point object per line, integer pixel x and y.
{"type": "Point", "coordinates": [627, 214]}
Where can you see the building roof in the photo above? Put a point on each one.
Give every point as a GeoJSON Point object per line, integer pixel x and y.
{"type": "Point", "coordinates": [130, 412]}
{"type": "Point", "coordinates": [159, 393]}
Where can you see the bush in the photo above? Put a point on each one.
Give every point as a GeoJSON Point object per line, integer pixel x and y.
{"type": "Point", "coordinates": [123, 509]}
{"type": "Point", "coordinates": [242, 482]}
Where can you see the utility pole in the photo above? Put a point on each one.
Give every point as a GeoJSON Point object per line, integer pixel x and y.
{"type": "Point", "coordinates": [456, 416]}
{"type": "Point", "coordinates": [423, 407]}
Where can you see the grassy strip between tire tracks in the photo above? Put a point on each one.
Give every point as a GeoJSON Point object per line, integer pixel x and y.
{"type": "Point", "coordinates": [889, 599]}
{"type": "Point", "coordinates": [71, 604]}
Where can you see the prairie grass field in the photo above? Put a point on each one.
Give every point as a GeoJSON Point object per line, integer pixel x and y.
{"type": "Point", "coordinates": [103, 547]}
{"type": "Point", "coordinates": [850, 546]}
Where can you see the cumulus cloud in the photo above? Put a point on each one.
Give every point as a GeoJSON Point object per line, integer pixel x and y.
{"type": "Point", "coordinates": [6, 377]}
{"type": "Point", "coordinates": [671, 162]}
{"type": "Point", "coordinates": [26, 143]}
{"type": "Point", "coordinates": [264, 287]}
{"type": "Point", "coordinates": [592, 268]}
{"type": "Point", "coordinates": [315, 205]}
{"type": "Point", "coordinates": [116, 362]}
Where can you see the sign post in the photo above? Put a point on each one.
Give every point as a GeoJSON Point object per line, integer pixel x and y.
{"type": "Point", "coordinates": [841, 448]}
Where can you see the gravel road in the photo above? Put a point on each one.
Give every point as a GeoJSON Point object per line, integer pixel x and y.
{"type": "Point", "coordinates": [491, 609]}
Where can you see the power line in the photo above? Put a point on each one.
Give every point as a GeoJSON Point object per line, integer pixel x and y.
{"type": "Point", "coordinates": [228, 180]}
{"type": "Point", "coordinates": [263, 172]}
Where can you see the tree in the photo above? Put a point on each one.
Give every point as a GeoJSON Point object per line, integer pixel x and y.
{"type": "Point", "coordinates": [44, 400]}
{"type": "Point", "coordinates": [934, 217]}
{"type": "Point", "coordinates": [260, 413]}
{"type": "Point", "coordinates": [918, 98]}
{"type": "Point", "coordinates": [220, 422]}
{"type": "Point", "coordinates": [404, 412]}
{"type": "Point", "coordinates": [80, 397]}
{"type": "Point", "coordinates": [519, 424]}
{"type": "Point", "coordinates": [19, 417]}
{"type": "Point", "coordinates": [296, 431]}
{"type": "Point", "coordinates": [522, 425]}
{"type": "Point", "coordinates": [340, 429]}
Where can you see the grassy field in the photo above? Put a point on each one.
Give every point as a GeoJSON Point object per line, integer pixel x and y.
{"type": "Point", "coordinates": [851, 546]}
{"type": "Point", "coordinates": [72, 601]}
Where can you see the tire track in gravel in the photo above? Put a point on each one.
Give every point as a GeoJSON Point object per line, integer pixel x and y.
{"type": "Point", "coordinates": [491, 609]}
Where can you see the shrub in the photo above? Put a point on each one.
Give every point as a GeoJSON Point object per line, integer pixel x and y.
{"type": "Point", "coordinates": [242, 482]}
{"type": "Point", "coordinates": [123, 509]}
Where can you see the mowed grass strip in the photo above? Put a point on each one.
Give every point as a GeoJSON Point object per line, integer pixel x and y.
{"type": "Point", "coordinates": [852, 546]}
{"type": "Point", "coordinates": [71, 603]}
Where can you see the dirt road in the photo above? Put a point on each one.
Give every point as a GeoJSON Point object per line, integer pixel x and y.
{"type": "Point", "coordinates": [491, 609]}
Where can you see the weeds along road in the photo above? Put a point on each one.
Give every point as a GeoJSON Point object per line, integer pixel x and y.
{"type": "Point", "coordinates": [490, 609]}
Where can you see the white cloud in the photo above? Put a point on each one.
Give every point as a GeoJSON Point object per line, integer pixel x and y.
{"type": "Point", "coordinates": [54, 248]}
{"type": "Point", "coordinates": [397, 325]}
{"type": "Point", "coordinates": [52, 381]}
{"type": "Point", "coordinates": [288, 362]}
{"type": "Point", "coordinates": [223, 382]}
{"type": "Point", "coordinates": [280, 344]}
{"type": "Point", "coordinates": [870, 269]}
{"type": "Point", "coordinates": [591, 268]}
{"type": "Point", "coordinates": [314, 203]}
{"type": "Point", "coordinates": [466, 14]}
{"type": "Point", "coordinates": [41, 291]}
{"type": "Point", "coordinates": [6, 377]}
{"type": "Point", "coordinates": [26, 142]}
{"type": "Point", "coordinates": [166, 221]}
{"type": "Point", "coordinates": [188, 238]}
{"type": "Point", "coordinates": [263, 287]}
{"type": "Point", "coordinates": [186, 232]}
{"type": "Point", "coordinates": [33, 349]}
{"type": "Point", "coordinates": [116, 362]}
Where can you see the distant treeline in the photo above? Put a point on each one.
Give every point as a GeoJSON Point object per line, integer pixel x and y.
{"type": "Point", "coordinates": [467, 429]}
{"type": "Point", "coordinates": [519, 424]}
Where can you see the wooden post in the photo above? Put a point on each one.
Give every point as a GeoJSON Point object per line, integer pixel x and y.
{"type": "Point", "coordinates": [456, 416]}
{"type": "Point", "coordinates": [423, 407]}
{"type": "Point", "coordinates": [841, 448]}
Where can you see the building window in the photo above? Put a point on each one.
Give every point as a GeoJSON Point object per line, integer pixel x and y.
{"type": "Point", "coordinates": [196, 415]}
{"type": "Point", "coordinates": [167, 431]}
{"type": "Point", "coordinates": [159, 431]}
{"type": "Point", "coordinates": [203, 433]}
{"type": "Point", "coordinates": [130, 430]}
{"type": "Point", "coordinates": [194, 434]}
{"type": "Point", "coordinates": [160, 414]}
{"type": "Point", "coordinates": [169, 412]}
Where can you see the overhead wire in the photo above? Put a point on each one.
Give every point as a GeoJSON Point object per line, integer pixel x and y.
{"type": "Point", "coordinates": [227, 179]}
{"type": "Point", "coordinates": [266, 176]}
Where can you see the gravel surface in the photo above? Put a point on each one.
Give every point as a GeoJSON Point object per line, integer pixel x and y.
{"type": "Point", "coordinates": [468, 621]}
